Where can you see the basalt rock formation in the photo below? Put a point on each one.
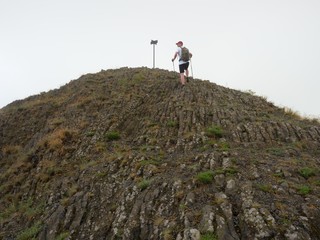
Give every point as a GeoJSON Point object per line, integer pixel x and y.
{"type": "Point", "coordinates": [131, 154]}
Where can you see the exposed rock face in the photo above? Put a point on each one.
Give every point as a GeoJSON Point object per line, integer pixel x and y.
{"type": "Point", "coordinates": [130, 154]}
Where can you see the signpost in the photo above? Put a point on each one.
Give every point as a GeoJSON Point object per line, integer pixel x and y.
{"type": "Point", "coordinates": [154, 43]}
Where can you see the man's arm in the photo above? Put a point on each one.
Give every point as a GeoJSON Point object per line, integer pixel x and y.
{"type": "Point", "coordinates": [174, 57]}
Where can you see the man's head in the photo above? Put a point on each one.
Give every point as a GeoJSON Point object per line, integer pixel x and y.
{"type": "Point", "coordinates": [179, 44]}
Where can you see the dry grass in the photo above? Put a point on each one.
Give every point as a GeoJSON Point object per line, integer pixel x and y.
{"type": "Point", "coordinates": [292, 113]}
{"type": "Point", "coordinates": [11, 149]}
{"type": "Point", "coordinates": [57, 139]}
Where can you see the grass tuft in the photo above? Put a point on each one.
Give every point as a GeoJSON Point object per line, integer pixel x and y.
{"type": "Point", "coordinates": [112, 136]}
{"type": "Point", "coordinates": [209, 236]}
{"type": "Point", "coordinates": [30, 233]}
{"type": "Point", "coordinates": [214, 131]}
{"type": "Point", "coordinates": [304, 190]}
{"type": "Point", "coordinates": [205, 177]}
{"type": "Point", "coordinates": [307, 172]}
{"type": "Point", "coordinates": [143, 184]}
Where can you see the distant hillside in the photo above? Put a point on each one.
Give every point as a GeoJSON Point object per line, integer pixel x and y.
{"type": "Point", "coordinates": [131, 154]}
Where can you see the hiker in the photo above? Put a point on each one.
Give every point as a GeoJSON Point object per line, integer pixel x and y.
{"type": "Point", "coordinates": [184, 57]}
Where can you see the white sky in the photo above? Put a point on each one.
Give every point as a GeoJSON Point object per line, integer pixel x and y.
{"type": "Point", "coordinates": [271, 47]}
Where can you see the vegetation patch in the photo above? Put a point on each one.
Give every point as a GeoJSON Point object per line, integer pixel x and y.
{"type": "Point", "coordinates": [279, 174]}
{"type": "Point", "coordinates": [307, 172]}
{"type": "Point", "coordinates": [30, 233]}
{"type": "Point", "coordinates": [291, 113]}
{"type": "Point", "coordinates": [317, 182]}
{"type": "Point", "coordinates": [63, 236]}
{"type": "Point", "coordinates": [265, 187]}
{"type": "Point", "coordinates": [304, 190]}
{"type": "Point", "coordinates": [172, 124]}
{"type": "Point", "coordinates": [11, 149]}
{"type": "Point", "coordinates": [112, 136]}
{"type": "Point", "coordinates": [228, 171]}
{"type": "Point", "coordinates": [277, 152]}
{"type": "Point", "coordinates": [57, 139]}
{"type": "Point", "coordinates": [205, 177]}
{"type": "Point", "coordinates": [90, 133]}
{"type": "Point", "coordinates": [215, 131]}
{"type": "Point", "coordinates": [23, 208]}
{"type": "Point", "coordinates": [224, 146]}
{"type": "Point", "coordinates": [137, 77]}
{"type": "Point", "coordinates": [209, 236]}
{"type": "Point", "coordinates": [143, 184]}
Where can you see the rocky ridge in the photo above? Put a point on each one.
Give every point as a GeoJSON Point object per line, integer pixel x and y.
{"type": "Point", "coordinates": [130, 154]}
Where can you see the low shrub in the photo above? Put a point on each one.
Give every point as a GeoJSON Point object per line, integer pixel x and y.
{"type": "Point", "coordinates": [264, 187]}
{"type": "Point", "coordinates": [63, 236]}
{"type": "Point", "coordinates": [209, 236]}
{"type": "Point", "coordinates": [304, 190]}
{"type": "Point", "coordinates": [214, 131]}
{"type": "Point", "coordinates": [30, 233]}
{"type": "Point", "coordinates": [172, 124]}
{"type": "Point", "coordinates": [143, 184]}
{"type": "Point", "coordinates": [307, 172]}
{"type": "Point", "coordinates": [205, 177]}
{"type": "Point", "coordinates": [112, 136]}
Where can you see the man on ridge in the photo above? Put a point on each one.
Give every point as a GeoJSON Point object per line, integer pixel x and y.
{"type": "Point", "coordinates": [184, 58]}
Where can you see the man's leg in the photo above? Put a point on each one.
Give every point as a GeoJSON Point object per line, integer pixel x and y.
{"type": "Point", "coordinates": [181, 69]}
{"type": "Point", "coordinates": [182, 78]}
{"type": "Point", "coordinates": [187, 73]}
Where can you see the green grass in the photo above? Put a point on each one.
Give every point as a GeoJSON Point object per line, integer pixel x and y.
{"type": "Point", "coordinates": [30, 233]}
{"type": "Point", "coordinates": [90, 134]}
{"type": "Point", "coordinates": [143, 184]}
{"type": "Point", "coordinates": [172, 124]}
{"type": "Point", "coordinates": [63, 236]}
{"type": "Point", "coordinates": [112, 136]}
{"type": "Point", "coordinates": [277, 152]}
{"type": "Point", "coordinates": [25, 208]}
{"type": "Point", "coordinates": [231, 171]}
{"type": "Point", "coordinates": [209, 236]}
{"type": "Point", "coordinates": [317, 182]}
{"type": "Point", "coordinates": [214, 131]}
{"type": "Point", "coordinates": [205, 177]}
{"type": "Point", "coordinates": [228, 171]}
{"type": "Point", "coordinates": [224, 146]}
{"type": "Point", "coordinates": [279, 175]}
{"type": "Point", "coordinates": [137, 77]}
{"type": "Point", "coordinates": [304, 190]}
{"type": "Point", "coordinates": [264, 187]}
{"type": "Point", "coordinates": [307, 172]}
{"type": "Point", "coordinates": [8, 212]}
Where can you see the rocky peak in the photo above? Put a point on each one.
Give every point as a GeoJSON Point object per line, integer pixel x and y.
{"type": "Point", "coordinates": [131, 154]}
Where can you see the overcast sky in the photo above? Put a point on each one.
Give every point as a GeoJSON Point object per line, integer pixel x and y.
{"type": "Point", "coordinates": [271, 47]}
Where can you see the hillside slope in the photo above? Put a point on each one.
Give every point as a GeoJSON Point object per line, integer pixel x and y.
{"type": "Point", "coordinates": [131, 154]}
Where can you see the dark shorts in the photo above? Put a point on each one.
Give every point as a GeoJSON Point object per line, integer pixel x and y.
{"type": "Point", "coordinates": [183, 67]}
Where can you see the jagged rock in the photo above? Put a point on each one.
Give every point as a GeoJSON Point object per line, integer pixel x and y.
{"type": "Point", "coordinates": [294, 233]}
{"type": "Point", "coordinates": [206, 224]}
{"type": "Point", "coordinates": [226, 163]}
{"type": "Point", "coordinates": [220, 180]}
{"type": "Point", "coordinates": [223, 230]}
{"type": "Point", "coordinates": [231, 186]}
{"type": "Point", "coordinates": [191, 234]}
